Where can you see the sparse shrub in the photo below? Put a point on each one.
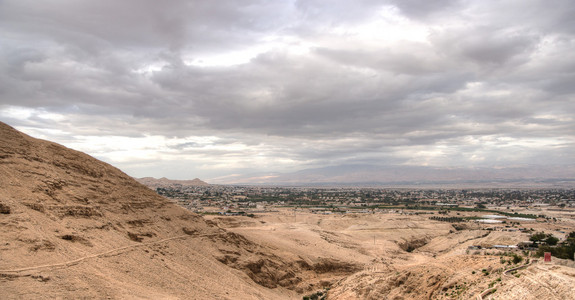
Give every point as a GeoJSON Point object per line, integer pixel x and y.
{"type": "Point", "coordinates": [517, 258]}
{"type": "Point", "coordinates": [189, 231]}
{"type": "Point", "coordinates": [538, 237]}
{"type": "Point", "coordinates": [44, 245]}
{"type": "Point", "coordinates": [76, 239]}
{"type": "Point", "coordinates": [315, 296]}
{"type": "Point", "coordinates": [4, 209]}
{"type": "Point", "coordinates": [68, 237]}
{"type": "Point", "coordinates": [134, 237]}
{"type": "Point", "coordinates": [41, 278]}
{"type": "Point", "coordinates": [551, 240]}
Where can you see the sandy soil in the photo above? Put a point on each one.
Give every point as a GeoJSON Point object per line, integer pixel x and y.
{"type": "Point", "coordinates": [76, 227]}
{"type": "Point", "coordinates": [440, 266]}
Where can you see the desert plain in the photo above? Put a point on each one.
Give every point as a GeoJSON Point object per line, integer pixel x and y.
{"type": "Point", "coordinates": [74, 227]}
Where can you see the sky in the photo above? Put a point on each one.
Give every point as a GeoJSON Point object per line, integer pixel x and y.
{"type": "Point", "coordinates": [216, 89]}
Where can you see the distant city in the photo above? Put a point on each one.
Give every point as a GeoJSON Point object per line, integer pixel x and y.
{"type": "Point", "coordinates": [221, 198]}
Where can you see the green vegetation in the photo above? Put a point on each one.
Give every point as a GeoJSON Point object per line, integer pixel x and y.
{"type": "Point", "coordinates": [468, 209]}
{"type": "Point", "coordinates": [448, 219]}
{"type": "Point", "coordinates": [491, 284]}
{"type": "Point", "coordinates": [565, 250]}
{"type": "Point", "coordinates": [517, 259]}
{"type": "Point", "coordinates": [208, 213]}
{"type": "Point", "coordinates": [548, 238]}
{"type": "Point", "coordinates": [321, 295]}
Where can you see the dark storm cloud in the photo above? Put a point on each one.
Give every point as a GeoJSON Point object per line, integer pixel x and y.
{"type": "Point", "coordinates": [174, 24]}
{"type": "Point", "coordinates": [316, 82]}
{"type": "Point", "coordinates": [487, 46]}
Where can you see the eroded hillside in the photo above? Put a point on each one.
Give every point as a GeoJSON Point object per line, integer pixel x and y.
{"type": "Point", "coordinates": [73, 226]}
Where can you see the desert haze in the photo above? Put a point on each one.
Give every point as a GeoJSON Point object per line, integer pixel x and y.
{"type": "Point", "coordinates": [74, 227]}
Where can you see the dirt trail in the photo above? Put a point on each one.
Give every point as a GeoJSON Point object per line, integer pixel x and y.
{"type": "Point", "coordinates": [81, 259]}
{"type": "Point", "coordinates": [506, 273]}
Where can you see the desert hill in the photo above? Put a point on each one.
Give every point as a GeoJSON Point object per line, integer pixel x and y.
{"type": "Point", "coordinates": [75, 227]}
{"type": "Point", "coordinates": [439, 266]}
{"type": "Point", "coordinates": [165, 182]}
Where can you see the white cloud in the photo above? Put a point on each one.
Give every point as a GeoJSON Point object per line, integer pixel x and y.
{"type": "Point", "coordinates": [226, 87]}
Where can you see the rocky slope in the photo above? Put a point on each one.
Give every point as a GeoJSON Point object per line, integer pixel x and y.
{"type": "Point", "coordinates": [541, 281]}
{"type": "Point", "coordinates": [75, 227]}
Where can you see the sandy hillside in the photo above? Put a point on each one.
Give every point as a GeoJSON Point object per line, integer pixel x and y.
{"type": "Point", "coordinates": [75, 227]}
{"type": "Point", "coordinates": [540, 281]}
{"type": "Point", "coordinates": [402, 256]}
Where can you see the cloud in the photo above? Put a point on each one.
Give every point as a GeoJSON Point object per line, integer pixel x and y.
{"type": "Point", "coordinates": [284, 85]}
{"type": "Point", "coordinates": [421, 9]}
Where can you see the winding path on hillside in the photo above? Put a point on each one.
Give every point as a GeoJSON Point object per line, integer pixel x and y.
{"type": "Point", "coordinates": [103, 254]}
{"type": "Point", "coordinates": [506, 273]}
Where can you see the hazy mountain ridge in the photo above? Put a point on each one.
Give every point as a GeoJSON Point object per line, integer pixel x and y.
{"type": "Point", "coordinates": [165, 182]}
{"type": "Point", "coordinates": [415, 175]}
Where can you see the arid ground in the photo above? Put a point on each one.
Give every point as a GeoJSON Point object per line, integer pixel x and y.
{"type": "Point", "coordinates": [74, 227]}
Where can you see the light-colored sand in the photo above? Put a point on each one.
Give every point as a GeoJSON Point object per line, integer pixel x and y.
{"type": "Point", "coordinates": [79, 228]}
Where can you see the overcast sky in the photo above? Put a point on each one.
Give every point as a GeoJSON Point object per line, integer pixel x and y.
{"type": "Point", "coordinates": [210, 89]}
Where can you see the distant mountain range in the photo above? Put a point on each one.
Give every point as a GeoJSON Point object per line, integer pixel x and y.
{"type": "Point", "coordinates": [165, 182]}
{"type": "Point", "coordinates": [368, 175]}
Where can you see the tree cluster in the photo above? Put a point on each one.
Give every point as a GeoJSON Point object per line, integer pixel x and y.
{"type": "Point", "coordinates": [447, 219]}
{"type": "Point", "coordinates": [542, 237]}
{"type": "Point", "coordinates": [564, 250]}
